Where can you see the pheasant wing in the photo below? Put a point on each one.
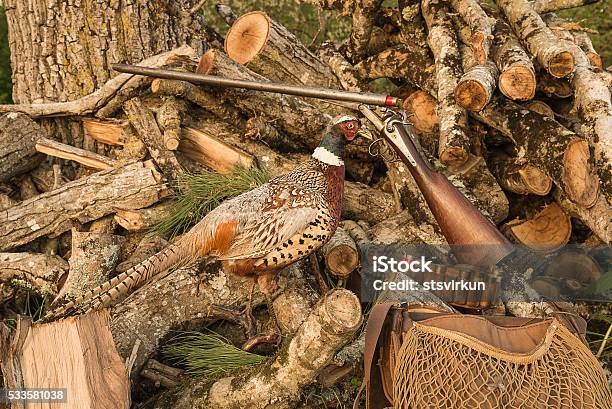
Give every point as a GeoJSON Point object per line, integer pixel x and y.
{"type": "Point", "coordinates": [283, 211]}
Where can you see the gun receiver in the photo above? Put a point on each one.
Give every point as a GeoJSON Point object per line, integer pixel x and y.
{"type": "Point", "coordinates": [461, 223]}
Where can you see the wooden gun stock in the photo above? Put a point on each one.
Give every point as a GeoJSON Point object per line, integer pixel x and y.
{"type": "Point", "coordinates": [461, 223]}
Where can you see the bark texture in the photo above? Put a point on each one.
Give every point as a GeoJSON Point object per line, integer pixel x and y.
{"type": "Point", "coordinates": [18, 136]}
{"type": "Point", "coordinates": [454, 146]}
{"type": "Point", "coordinates": [480, 26]}
{"type": "Point", "coordinates": [38, 272]}
{"type": "Point", "coordinates": [556, 58]}
{"type": "Point", "coordinates": [522, 179]}
{"type": "Point", "coordinates": [359, 38]}
{"type": "Point", "coordinates": [130, 187]}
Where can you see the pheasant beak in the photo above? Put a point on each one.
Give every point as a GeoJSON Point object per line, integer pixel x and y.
{"type": "Point", "coordinates": [365, 133]}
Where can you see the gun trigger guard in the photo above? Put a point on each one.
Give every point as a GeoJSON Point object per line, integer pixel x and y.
{"type": "Point", "coordinates": [379, 148]}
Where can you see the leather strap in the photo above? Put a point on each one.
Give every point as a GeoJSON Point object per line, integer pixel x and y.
{"type": "Point", "coordinates": [374, 326]}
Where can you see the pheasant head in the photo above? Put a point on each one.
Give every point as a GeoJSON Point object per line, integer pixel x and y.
{"type": "Point", "coordinates": [341, 131]}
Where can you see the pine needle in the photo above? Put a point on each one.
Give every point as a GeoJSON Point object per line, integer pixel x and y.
{"type": "Point", "coordinates": [199, 193]}
{"type": "Point", "coordinates": [203, 354]}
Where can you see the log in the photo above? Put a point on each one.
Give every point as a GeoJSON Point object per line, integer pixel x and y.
{"type": "Point", "coordinates": [106, 100]}
{"type": "Point", "coordinates": [582, 40]}
{"type": "Point", "coordinates": [79, 356]}
{"type": "Point", "coordinates": [422, 108]}
{"type": "Point", "coordinates": [86, 158]}
{"type": "Point", "coordinates": [412, 25]}
{"type": "Point", "coordinates": [37, 272]}
{"type": "Point", "coordinates": [198, 96]}
{"type": "Point", "coordinates": [547, 6]}
{"type": "Point", "coordinates": [142, 219]}
{"type": "Point", "coordinates": [548, 231]}
{"type": "Point", "coordinates": [340, 67]}
{"type": "Point", "coordinates": [553, 87]}
{"type": "Point", "coordinates": [18, 136]}
{"type": "Point", "coordinates": [226, 13]}
{"type": "Point", "coordinates": [360, 201]}
{"type": "Point", "coordinates": [476, 87]}
{"type": "Point", "coordinates": [556, 58]}
{"type": "Point", "coordinates": [151, 313]}
{"type": "Point", "coordinates": [107, 131]}
{"type": "Point", "coordinates": [454, 146]}
{"type": "Point", "coordinates": [93, 257]}
{"type": "Point", "coordinates": [329, 327]}
{"type": "Point", "coordinates": [269, 49]}
{"type": "Point", "coordinates": [541, 108]}
{"type": "Point", "coordinates": [363, 21]}
{"type": "Point", "coordinates": [340, 254]}
{"type": "Point", "coordinates": [133, 186]}
{"type": "Point", "coordinates": [523, 179]}
{"type": "Point", "coordinates": [517, 78]}
{"type": "Point", "coordinates": [143, 121]}
{"type": "Point", "coordinates": [169, 121]}
{"type": "Point", "coordinates": [593, 104]}
{"type": "Point", "coordinates": [567, 159]}
{"type": "Point", "coordinates": [204, 147]}
{"type": "Point", "coordinates": [400, 62]}
{"type": "Point", "coordinates": [479, 24]}
{"type": "Point", "coordinates": [598, 217]}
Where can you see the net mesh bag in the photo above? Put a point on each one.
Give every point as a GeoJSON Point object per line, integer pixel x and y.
{"type": "Point", "coordinates": [439, 368]}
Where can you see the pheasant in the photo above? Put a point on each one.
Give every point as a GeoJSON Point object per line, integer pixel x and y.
{"type": "Point", "coordinates": [257, 233]}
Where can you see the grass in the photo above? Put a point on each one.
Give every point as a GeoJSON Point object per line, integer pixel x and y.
{"type": "Point", "coordinates": [207, 354]}
{"type": "Point", "coordinates": [199, 193]}
{"type": "Point", "coordinates": [600, 336]}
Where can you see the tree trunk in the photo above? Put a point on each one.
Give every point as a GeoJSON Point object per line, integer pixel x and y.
{"type": "Point", "coordinates": [75, 45]}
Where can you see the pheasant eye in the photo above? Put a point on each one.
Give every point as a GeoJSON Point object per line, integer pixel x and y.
{"type": "Point", "coordinates": [350, 125]}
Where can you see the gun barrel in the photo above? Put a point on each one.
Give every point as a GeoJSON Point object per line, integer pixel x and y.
{"type": "Point", "coordinates": [275, 87]}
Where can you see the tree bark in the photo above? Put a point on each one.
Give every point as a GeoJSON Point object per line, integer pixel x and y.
{"type": "Point", "coordinates": [93, 257]}
{"type": "Point", "coordinates": [363, 13]}
{"type": "Point", "coordinates": [142, 219]}
{"type": "Point", "coordinates": [476, 87]}
{"type": "Point", "coordinates": [598, 217]}
{"type": "Point", "coordinates": [546, 6]}
{"type": "Point", "coordinates": [517, 78]}
{"type": "Point", "coordinates": [143, 121]}
{"type": "Point", "coordinates": [454, 146]}
{"type": "Point", "coordinates": [169, 118]}
{"type": "Point", "coordinates": [18, 136]}
{"type": "Point", "coordinates": [583, 41]}
{"type": "Point", "coordinates": [480, 27]}
{"type": "Point", "coordinates": [519, 178]}
{"type": "Point", "coordinates": [400, 62]}
{"type": "Point", "coordinates": [130, 187]}
{"type": "Point", "coordinates": [556, 58]}
{"type": "Point", "coordinates": [38, 272]}
{"type": "Point", "coordinates": [567, 160]}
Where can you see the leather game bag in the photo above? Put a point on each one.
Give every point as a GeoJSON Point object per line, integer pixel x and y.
{"type": "Point", "coordinates": [418, 358]}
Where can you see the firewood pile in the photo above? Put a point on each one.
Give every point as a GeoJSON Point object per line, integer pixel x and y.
{"type": "Point", "coordinates": [510, 102]}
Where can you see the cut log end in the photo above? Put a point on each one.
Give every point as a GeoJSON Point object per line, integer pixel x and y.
{"type": "Point", "coordinates": [247, 36]}
{"type": "Point", "coordinates": [342, 310]}
{"type": "Point", "coordinates": [537, 182]}
{"type": "Point", "coordinates": [454, 157]}
{"type": "Point", "coordinates": [595, 59]}
{"type": "Point", "coordinates": [206, 63]}
{"type": "Point", "coordinates": [549, 230]}
{"type": "Point", "coordinates": [581, 184]}
{"type": "Point", "coordinates": [471, 95]}
{"type": "Point", "coordinates": [422, 108]}
{"type": "Point", "coordinates": [561, 65]}
{"type": "Point", "coordinates": [518, 83]}
{"type": "Point", "coordinates": [541, 108]}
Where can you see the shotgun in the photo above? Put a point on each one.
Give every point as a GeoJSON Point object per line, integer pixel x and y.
{"type": "Point", "coordinates": [477, 241]}
{"type": "Point", "coordinates": [275, 87]}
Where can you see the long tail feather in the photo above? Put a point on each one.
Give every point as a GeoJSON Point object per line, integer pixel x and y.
{"type": "Point", "coordinates": [123, 284]}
